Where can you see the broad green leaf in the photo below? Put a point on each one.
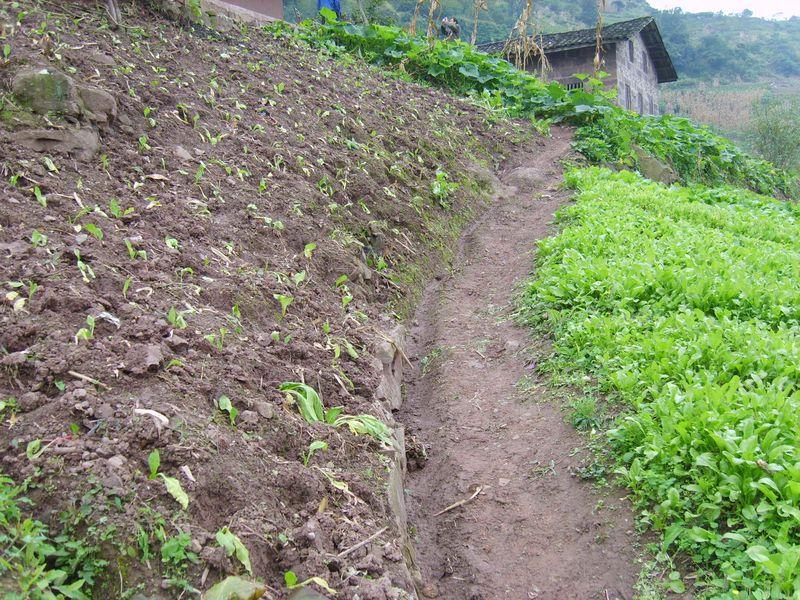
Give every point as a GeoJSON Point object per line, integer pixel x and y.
{"type": "Point", "coordinates": [235, 588]}
{"type": "Point", "coordinates": [176, 491]}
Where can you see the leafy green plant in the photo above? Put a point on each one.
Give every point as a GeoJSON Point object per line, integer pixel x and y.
{"type": "Point", "coordinates": [116, 211]}
{"type": "Point", "coordinates": [86, 333]}
{"type": "Point", "coordinates": [38, 239]}
{"type": "Point", "coordinates": [309, 403]}
{"type": "Point", "coordinates": [175, 551]}
{"type": "Point", "coordinates": [683, 305]}
{"type": "Point", "coordinates": [285, 301]}
{"type": "Point", "coordinates": [40, 197]}
{"type": "Point", "coordinates": [441, 188]}
{"type": "Point", "coordinates": [313, 447]}
{"type": "Point", "coordinates": [292, 583]}
{"type": "Point", "coordinates": [35, 563]}
{"type": "Point", "coordinates": [366, 425]}
{"type": "Point", "coordinates": [233, 546]}
{"type": "Point", "coordinates": [177, 318]}
{"type": "Point", "coordinates": [175, 489]}
{"type": "Point", "coordinates": [217, 340]}
{"type": "Point", "coordinates": [134, 253]}
{"type": "Point", "coordinates": [87, 273]}
{"type": "Point", "coordinates": [154, 462]}
{"type": "Point", "coordinates": [94, 230]}
{"type": "Point", "coordinates": [225, 405]}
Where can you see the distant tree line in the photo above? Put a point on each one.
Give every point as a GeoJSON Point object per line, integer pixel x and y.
{"type": "Point", "coordinates": [704, 46]}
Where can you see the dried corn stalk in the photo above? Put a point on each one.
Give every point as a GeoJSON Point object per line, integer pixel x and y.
{"type": "Point", "coordinates": [522, 46]}
{"type": "Point", "coordinates": [413, 27]}
{"type": "Point", "coordinates": [432, 20]}
{"type": "Point", "coordinates": [478, 6]}
{"type": "Point", "coordinates": [598, 48]}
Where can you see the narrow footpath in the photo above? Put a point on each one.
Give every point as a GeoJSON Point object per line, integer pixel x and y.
{"type": "Point", "coordinates": [534, 530]}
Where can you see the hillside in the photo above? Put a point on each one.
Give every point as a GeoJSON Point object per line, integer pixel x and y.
{"type": "Point", "coordinates": [192, 222]}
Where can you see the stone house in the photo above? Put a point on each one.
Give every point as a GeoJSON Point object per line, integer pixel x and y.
{"type": "Point", "coordinates": [634, 56]}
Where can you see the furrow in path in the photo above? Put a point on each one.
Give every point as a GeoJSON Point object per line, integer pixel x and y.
{"type": "Point", "coordinates": [536, 530]}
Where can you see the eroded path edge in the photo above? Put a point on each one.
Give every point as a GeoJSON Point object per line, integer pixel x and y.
{"type": "Point", "coordinates": [535, 530]}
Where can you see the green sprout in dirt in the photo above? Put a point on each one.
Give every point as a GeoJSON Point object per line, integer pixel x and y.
{"type": "Point", "coordinates": [292, 583]}
{"type": "Point", "coordinates": [225, 405]}
{"type": "Point", "coordinates": [86, 333]}
{"type": "Point", "coordinates": [285, 301]}
{"type": "Point", "coordinates": [177, 318]}
{"type": "Point", "coordinates": [38, 239]}
{"type": "Point", "coordinates": [116, 211]}
{"type": "Point", "coordinates": [313, 411]}
{"type": "Point", "coordinates": [217, 340]}
{"type": "Point", "coordinates": [233, 546]}
{"type": "Point", "coordinates": [153, 463]}
{"type": "Point", "coordinates": [40, 197]}
{"type": "Point", "coordinates": [442, 188]}
{"type": "Point", "coordinates": [134, 253]}
{"type": "Point", "coordinates": [313, 448]}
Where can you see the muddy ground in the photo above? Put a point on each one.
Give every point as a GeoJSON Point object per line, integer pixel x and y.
{"type": "Point", "coordinates": [255, 213]}
{"type": "Point", "coordinates": [494, 430]}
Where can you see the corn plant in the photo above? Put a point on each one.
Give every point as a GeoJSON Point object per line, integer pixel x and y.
{"type": "Point", "coordinates": [177, 318]}
{"type": "Point", "coordinates": [309, 403]}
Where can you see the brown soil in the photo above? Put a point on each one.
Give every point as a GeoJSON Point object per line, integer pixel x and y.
{"type": "Point", "coordinates": [535, 530]}
{"type": "Point", "coordinates": [343, 157]}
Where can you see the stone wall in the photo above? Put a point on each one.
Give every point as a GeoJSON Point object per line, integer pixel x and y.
{"type": "Point", "coordinates": [637, 80]}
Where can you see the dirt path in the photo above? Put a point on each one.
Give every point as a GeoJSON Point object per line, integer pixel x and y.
{"type": "Point", "coordinates": [536, 530]}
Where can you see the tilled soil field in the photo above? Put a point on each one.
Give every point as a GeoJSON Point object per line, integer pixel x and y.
{"type": "Point", "coordinates": [193, 221]}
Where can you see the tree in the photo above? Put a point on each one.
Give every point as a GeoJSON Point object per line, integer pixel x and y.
{"type": "Point", "coordinates": [775, 131]}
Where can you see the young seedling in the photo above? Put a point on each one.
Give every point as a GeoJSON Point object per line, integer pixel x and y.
{"type": "Point", "coordinates": [290, 578]}
{"type": "Point", "coordinates": [176, 318]}
{"type": "Point", "coordinates": [284, 301]}
{"type": "Point", "coordinates": [40, 197]}
{"type": "Point", "coordinates": [133, 253]}
{"type": "Point", "coordinates": [94, 230]}
{"type": "Point", "coordinates": [175, 490]}
{"type": "Point", "coordinates": [154, 462]}
{"type": "Point", "coordinates": [233, 546]}
{"type": "Point", "coordinates": [315, 446]}
{"type": "Point", "coordinates": [86, 271]}
{"type": "Point", "coordinates": [217, 339]}
{"type": "Point", "coordinates": [38, 239]}
{"type": "Point", "coordinates": [116, 211]}
{"type": "Point", "coordinates": [309, 403]}
{"type": "Point", "coordinates": [86, 333]}
{"type": "Point", "coordinates": [225, 405]}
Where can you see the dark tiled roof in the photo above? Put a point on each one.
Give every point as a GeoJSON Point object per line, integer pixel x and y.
{"type": "Point", "coordinates": [615, 32]}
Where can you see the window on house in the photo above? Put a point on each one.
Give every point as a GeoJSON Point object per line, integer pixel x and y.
{"type": "Point", "coordinates": [574, 85]}
{"type": "Point", "coordinates": [628, 97]}
{"type": "Point", "coordinates": [631, 53]}
{"type": "Point", "coordinates": [641, 104]}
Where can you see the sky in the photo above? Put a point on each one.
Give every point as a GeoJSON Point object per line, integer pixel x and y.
{"type": "Point", "coordinates": [760, 8]}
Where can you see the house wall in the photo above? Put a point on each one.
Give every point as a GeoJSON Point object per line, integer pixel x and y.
{"type": "Point", "coordinates": [638, 76]}
{"type": "Point", "coordinates": [565, 64]}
